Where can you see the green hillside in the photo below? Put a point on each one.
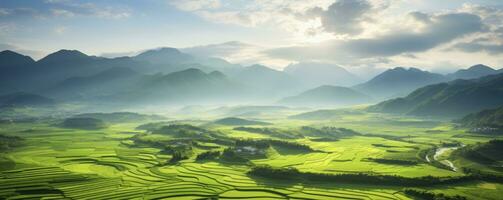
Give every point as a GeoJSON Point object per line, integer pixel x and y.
{"type": "Point", "coordinates": [490, 118]}
{"type": "Point", "coordinates": [452, 99]}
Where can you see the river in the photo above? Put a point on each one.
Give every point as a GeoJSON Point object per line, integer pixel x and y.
{"type": "Point", "coordinates": [439, 152]}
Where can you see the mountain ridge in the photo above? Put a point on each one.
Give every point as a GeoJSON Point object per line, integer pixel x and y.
{"type": "Point", "coordinates": [327, 95]}
{"type": "Point", "coordinates": [452, 99]}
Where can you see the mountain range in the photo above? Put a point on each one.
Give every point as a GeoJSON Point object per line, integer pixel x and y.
{"type": "Point", "coordinates": [167, 75]}
{"type": "Point", "coordinates": [399, 81]}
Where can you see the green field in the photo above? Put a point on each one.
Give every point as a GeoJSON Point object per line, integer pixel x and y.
{"type": "Point", "coordinates": [120, 161]}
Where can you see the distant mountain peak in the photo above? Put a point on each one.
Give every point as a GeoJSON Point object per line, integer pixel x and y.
{"type": "Point", "coordinates": [475, 71]}
{"type": "Point", "coordinates": [10, 58]}
{"type": "Point", "coordinates": [398, 69]}
{"type": "Point", "coordinates": [399, 81]}
{"type": "Point", "coordinates": [9, 52]}
{"type": "Point", "coordinates": [64, 55]}
{"type": "Point", "coordinates": [163, 50]}
{"type": "Point", "coordinates": [481, 67]}
{"type": "Point", "coordinates": [406, 69]}
{"type": "Point", "coordinates": [164, 55]}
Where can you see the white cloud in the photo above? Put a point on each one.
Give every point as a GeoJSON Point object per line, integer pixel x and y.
{"type": "Point", "coordinates": [193, 5]}
{"type": "Point", "coordinates": [4, 12]}
{"type": "Point", "coordinates": [68, 8]}
{"type": "Point", "coordinates": [62, 13]}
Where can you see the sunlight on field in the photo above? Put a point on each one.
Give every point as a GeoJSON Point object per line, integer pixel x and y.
{"type": "Point", "coordinates": [69, 162]}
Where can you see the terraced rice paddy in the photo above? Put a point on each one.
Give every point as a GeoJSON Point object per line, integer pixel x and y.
{"type": "Point", "coordinates": [56, 163]}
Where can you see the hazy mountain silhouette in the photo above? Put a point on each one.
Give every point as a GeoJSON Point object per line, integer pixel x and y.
{"type": "Point", "coordinates": [327, 95]}
{"type": "Point", "coordinates": [59, 66]}
{"type": "Point", "coordinates": [313, 74]}
{"type": "Point", "coordinates": [266, 81]}
{"type": "Point", "coordinates": [475, 71]}
{"type": "Point", "coordinates": [187, 86]}
{"type": "Point", "coordinates": [25, 99]}
{"type": "Point", "coordinates": [65, 64]}
{"type": "Point", "coordinates": [110, 81]}
{"type": "Point", "coordinates": [169, 60]}
{"type": "Point", "coordinates": [67, 56]}
{"type": "Point", "coordinates": [452, 99]}
{"type": "Point", "coordinates": [164, 55]}
{"type": "Point", "coordinates": [398, 82]}
{"type": "Point", "coordinates": [12, 59]}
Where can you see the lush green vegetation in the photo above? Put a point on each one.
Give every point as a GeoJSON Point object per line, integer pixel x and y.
{"type": "Point", "coordinates": [485, 122]}
{"type": "Point", "coordinates": [360, 155]}
{"type": "Point", "coordinates": [431, 196]}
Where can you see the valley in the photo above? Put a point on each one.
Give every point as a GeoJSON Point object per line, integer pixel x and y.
{"type": "Point", "coordinates": [166, 161]}
{"type": "Point", "coordinates": [256, 100]}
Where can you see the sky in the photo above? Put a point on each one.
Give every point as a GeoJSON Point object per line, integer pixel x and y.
{"type": "Point", "coordinates": [360, 35]}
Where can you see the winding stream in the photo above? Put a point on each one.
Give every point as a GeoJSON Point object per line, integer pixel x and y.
{"type": "Point", "coordinates": [439, 152]}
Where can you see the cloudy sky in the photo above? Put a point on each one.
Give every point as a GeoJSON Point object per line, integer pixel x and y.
{"type": "Point", "coordinates": [437, 35]}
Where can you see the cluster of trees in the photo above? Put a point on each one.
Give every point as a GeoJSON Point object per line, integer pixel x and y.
{"type": "Point", "coordinates": [266, 143]}
{"type": "Point", "coordinates": [327, 131]}
{"type": "Point", "coordinates": [177, 156]}
{"type": "Point", "coordinates": [430, 195]}
{"type": "Point", "coordinates": [270, 131]}
{"type": "Point", "coordinates": [359, 178]}
{"type": "Point", "coordinates": [275, 173]}
{"type": "Point", "coordinates": [392, 161]}
{"type": "Point", "coordinates": [259, 144]}
{"type": "Point", "coordinates": [179, 151]}
{"type": "Point", "coordinates": [291, 145]}
{"type": "Point", "coordinates": [208, 155]}
{"type": "Point", "coordinates": [230, 155]}
{"type": "Point", "coordinates": [485, 176]}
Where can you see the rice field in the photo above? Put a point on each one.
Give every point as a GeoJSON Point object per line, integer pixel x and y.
{"type": "Point", "coordinates": [58, 163]}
